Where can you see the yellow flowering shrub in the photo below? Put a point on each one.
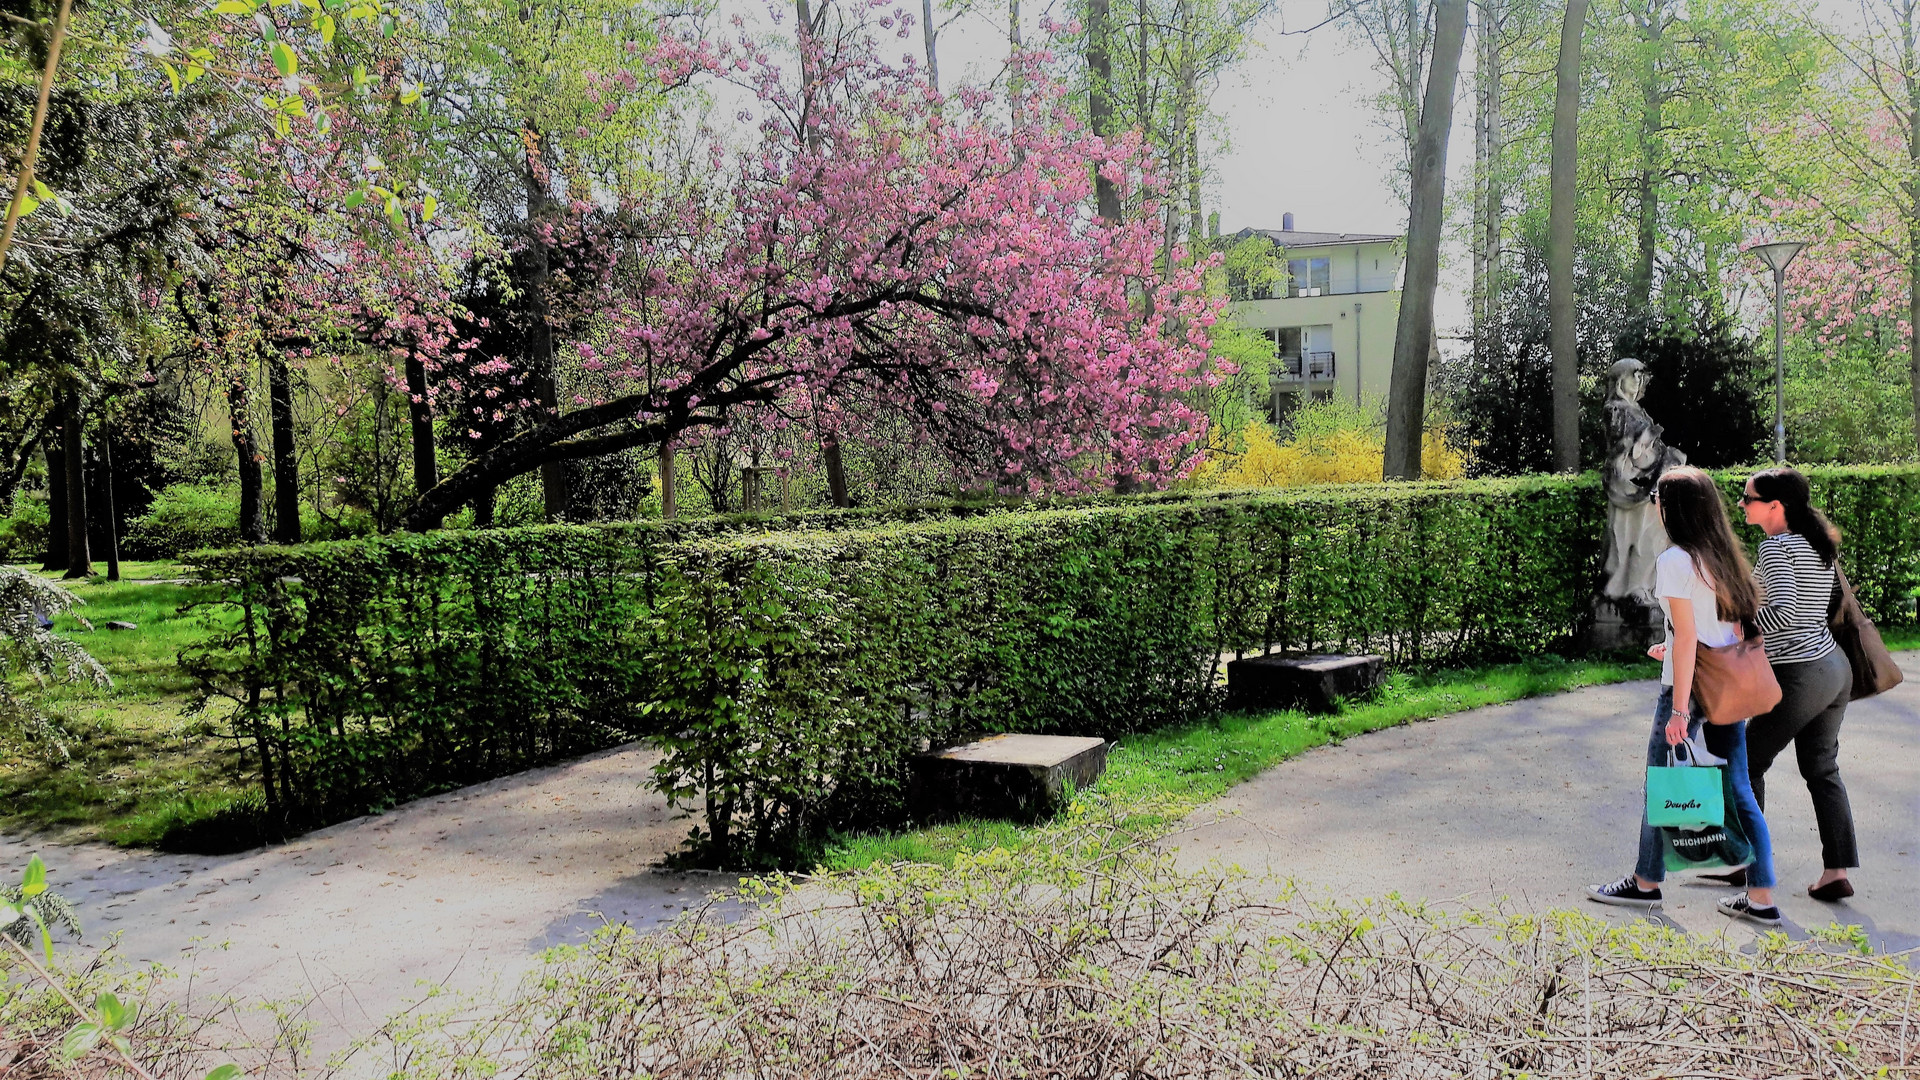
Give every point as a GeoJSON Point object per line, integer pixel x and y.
{"type": "Point", "coordinates": [1330, 443]}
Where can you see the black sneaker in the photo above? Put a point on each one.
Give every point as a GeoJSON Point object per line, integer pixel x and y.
{"type": "Point", "coordinates": [1739, 907]}
{"type": "Point", "coordinates": [1624, 893]}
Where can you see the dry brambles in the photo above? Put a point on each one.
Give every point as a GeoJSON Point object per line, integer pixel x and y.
{"type": "Point", "coordinates": [1108, 963]}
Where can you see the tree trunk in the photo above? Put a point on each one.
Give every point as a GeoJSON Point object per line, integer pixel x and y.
{"type": "Point", "coordinates": [246, 454]}
{"type": "Point", "coordinates": [836, 471]}
{"type": "Point", "coordinates": [1646, 185]}
{"type": "Point", "coordinates": [1100, 98]}
{"type": "Point", "coordinates": [669, 482]}
{"type": "Point", "coordinates": [1414, 108]}
{"type": "Point", "coordinates": [928, 31]}
{"type": "Point", "coordinates": [554, 491]}
{"type": "Point", "coordinates": [56, 494]}
{"type": "Point", "coordinates": [426, 470]}
{"type": "Point", "coordinates": [1913, 335]}
{"type": "Point", "coordinates": [1487, 204]}
{"type": "Point", "coordinates": [1013, 51]}
{"type": "Point", "coordinates": [286, 463]}
{"type": "Point", "coordinates": [79, 560]}
{"type": "Point", "coordinates": [1911, 76]}
{"type": "Point", "coordinates": [1562, 202]}
{"type": "Point", "coordinates": [108, 511]}
{"type": "Point", "coordinates": [1196, 225]}
{"type": "Point", "coordinates": [1493, 221]}
{"type": "Point", "coordinates": [1413, 336]}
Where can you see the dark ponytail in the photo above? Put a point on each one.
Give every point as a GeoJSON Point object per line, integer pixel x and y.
{"type": "Point", "coordinates": [1790, 489]}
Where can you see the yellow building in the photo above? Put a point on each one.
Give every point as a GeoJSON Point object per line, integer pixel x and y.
{"type": "Point", "coordinates": [1332, 321]}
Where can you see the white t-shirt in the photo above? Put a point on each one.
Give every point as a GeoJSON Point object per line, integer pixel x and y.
{"type": "Point", "coordinates": [1675, 576]}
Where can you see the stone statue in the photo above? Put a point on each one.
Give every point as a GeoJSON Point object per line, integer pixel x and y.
{"type": "Point", "coordinates": [1636, 458]}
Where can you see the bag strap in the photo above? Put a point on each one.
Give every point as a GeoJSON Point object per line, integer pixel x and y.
{"type": "Point", "coordinates": [1675, 754]}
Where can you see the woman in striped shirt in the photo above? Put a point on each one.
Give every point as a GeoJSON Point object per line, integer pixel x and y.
{"type": "Point", "coordinates": [1795, 571]}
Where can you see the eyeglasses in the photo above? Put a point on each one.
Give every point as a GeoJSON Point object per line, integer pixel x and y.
{"type": "Point", "coordinates": [1749, 499]}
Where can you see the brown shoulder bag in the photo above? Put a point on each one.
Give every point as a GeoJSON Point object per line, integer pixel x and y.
{"type": "Point", "coordinates": [1734, 682]}
{"type": "Point", "coordinates": [1874, 671]}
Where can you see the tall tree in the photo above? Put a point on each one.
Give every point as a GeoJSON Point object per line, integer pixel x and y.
{"type": "Point", "coordinates": [535, 110]}
{"type": "Point", "coordinates": [1100, 98]}
{"type": "Point", "coordinates": [1650, 20]}
{"type": "Point", "coordinates": [931, 33]}
{"type": "Point", "coordinates": [1400, 33]}
{"type": "Point", "coordinates": [973, 303]}
{"type": "Point", "coordinates": [1563, 196]}
{"type": "Point", "coordinates": [1413, 335]}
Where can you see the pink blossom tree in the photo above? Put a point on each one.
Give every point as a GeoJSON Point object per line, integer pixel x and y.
{"type": "Point", "coordinates": [885, 249]}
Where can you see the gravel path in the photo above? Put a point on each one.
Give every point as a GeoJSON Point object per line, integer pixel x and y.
{"type": "Point", "coordinates": [461, 891]}
{"type": "Point", "coordinates": [1533, 800]}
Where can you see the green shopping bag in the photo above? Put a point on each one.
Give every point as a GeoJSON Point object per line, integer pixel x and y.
{"type": "Point", "coordinates": [1684, 796]}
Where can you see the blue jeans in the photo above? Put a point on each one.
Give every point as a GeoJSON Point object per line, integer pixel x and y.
{"type": "Point", "coordinates": [1723, 740]}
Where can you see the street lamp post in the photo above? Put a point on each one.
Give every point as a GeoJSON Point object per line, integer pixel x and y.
{"type": "Point", "coordinates": [1777, 256]}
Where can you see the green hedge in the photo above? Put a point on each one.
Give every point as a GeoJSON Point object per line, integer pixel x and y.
{"type": "Point", "coordinates": [789, 674]}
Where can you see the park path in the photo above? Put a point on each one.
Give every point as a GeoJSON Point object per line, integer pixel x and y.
{"type": "Point", "coordinates": [1528, 802]}
{"type": "Point", "coordinates": [1531, 801]}
{"type": "Point", "coordinates": [460, 891]}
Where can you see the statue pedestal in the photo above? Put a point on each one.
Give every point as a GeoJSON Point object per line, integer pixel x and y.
{"type": "Point", "coordinates": [1625, 623]}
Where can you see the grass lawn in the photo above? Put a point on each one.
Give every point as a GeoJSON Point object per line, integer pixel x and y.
{"type": "Point", "coordinates": [124, 764]}
{"type": "Point", "coordinates": [1156, 778]}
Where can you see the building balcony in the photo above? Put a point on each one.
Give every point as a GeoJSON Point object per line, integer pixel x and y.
{"type": "Point", "coordinates": [1307, 367]}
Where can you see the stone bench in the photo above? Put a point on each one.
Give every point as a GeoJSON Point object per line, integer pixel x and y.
{"type": "Point", "coordinates": [1316, 682]}
{"type": "Point", "coordinates": [1023, 777]}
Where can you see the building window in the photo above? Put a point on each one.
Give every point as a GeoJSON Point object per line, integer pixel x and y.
{"type": "Point", "coordinates": [1303, 353]}
{"type": "Point", "coordinates": [1287, 343]}
{"type": "Point", "coordinates": [1309, 277]}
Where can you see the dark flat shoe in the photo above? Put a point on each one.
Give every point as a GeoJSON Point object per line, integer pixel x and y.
{"type": "Point", "coordinates": [1735, 878]}
{"type": "Point", "coordinates": [1832, 892]}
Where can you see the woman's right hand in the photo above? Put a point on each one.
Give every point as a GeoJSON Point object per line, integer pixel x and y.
{"type": "Point", "coordinates": [1658, 652]}
{"type": "Point", "coordinates": [1677, 727]}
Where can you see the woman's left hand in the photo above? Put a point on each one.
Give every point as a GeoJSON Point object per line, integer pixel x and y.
{"type": "Point", "coordinates": [1677, 726]}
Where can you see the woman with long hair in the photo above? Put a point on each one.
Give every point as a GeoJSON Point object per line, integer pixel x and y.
{"type": "Point", "coordinates": [1796, 575]}
{"type": "Point", "coordinates": [1706, 589]}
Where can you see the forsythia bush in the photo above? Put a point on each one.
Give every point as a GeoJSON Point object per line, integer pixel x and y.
{"type": "Point", "coordinates": [788, 675]}
{"type": "Point", "coordinates": [1329, 443]}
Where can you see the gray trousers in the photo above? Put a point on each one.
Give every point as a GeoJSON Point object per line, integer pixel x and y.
{"type": "Point", "coordinates": [1813, 701]}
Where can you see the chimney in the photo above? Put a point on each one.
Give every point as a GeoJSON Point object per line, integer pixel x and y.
{"type": "Point", "coordinates": [1286, 222]}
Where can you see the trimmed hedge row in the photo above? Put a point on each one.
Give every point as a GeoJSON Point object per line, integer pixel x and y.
{"type": "Point", "coordinates": [788, 675]}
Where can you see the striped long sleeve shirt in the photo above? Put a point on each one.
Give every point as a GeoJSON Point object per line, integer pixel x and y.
{"type": "Point", "coordinates": [1795, 589]}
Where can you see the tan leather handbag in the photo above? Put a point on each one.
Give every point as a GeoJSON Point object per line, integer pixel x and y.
{"type": "Point", "coordinates": [1734, 682]}
{"type": "Point", "coordinates": [1874, 671]}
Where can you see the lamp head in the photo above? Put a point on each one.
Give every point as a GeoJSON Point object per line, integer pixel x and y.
{"type": "Point", "coordinates": [1777, 255]}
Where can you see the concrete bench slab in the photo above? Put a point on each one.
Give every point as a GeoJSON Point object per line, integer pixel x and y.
{"type": "Point", "coordinates": [1023, 777]}
{"type": "Point", "coordinates": [1312, 681]}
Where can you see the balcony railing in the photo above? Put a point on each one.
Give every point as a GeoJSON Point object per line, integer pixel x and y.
{"type": "Point", "coordinates": [1308, 367]}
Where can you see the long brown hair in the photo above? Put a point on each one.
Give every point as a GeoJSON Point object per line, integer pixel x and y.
{"type": "Point", "coordinates": [1697, 523]}
{"type": "Point", "coordinates": [1789, 487]}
